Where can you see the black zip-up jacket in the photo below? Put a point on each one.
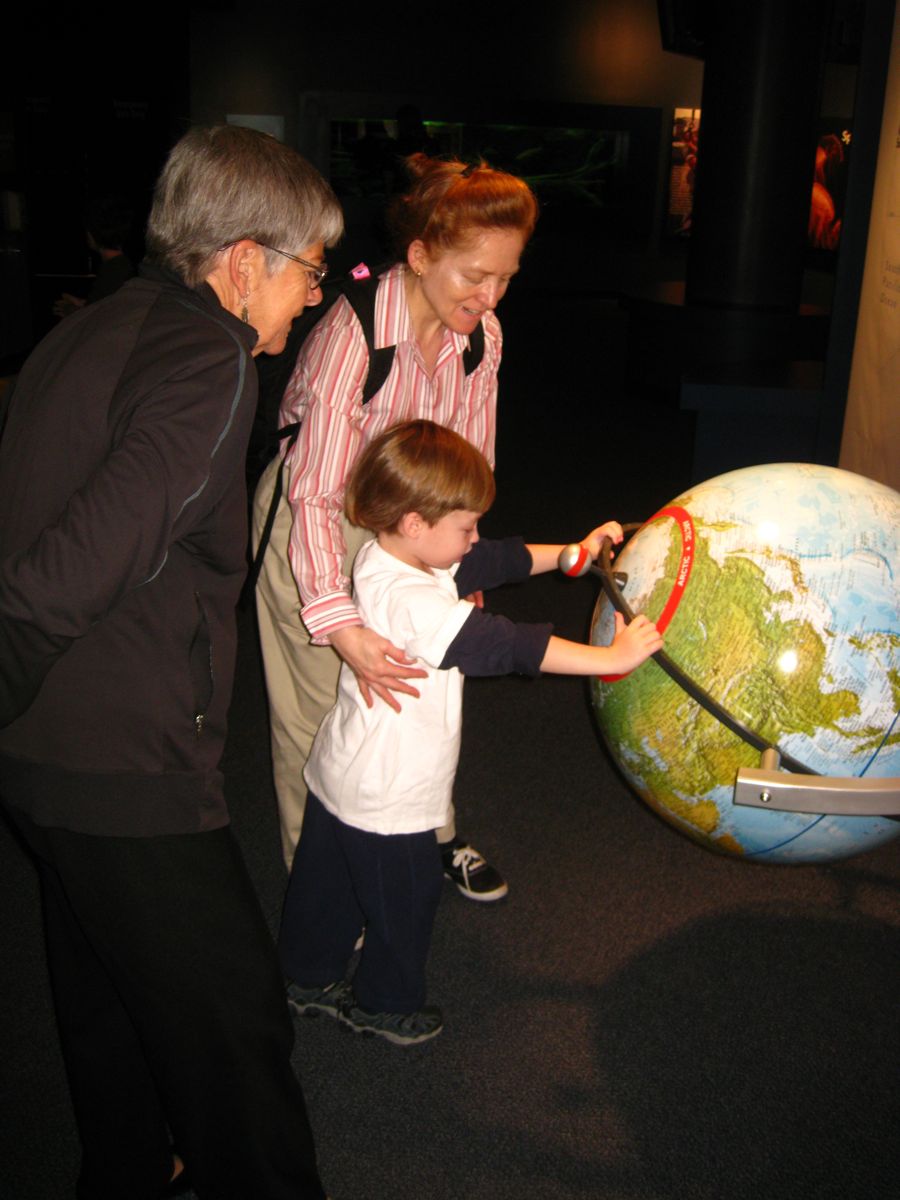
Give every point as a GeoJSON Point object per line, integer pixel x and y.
{"type": "Point", "coordinates": [122, 552]}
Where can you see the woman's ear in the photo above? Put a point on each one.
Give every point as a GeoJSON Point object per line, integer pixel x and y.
{"type": "Point", "coordinates": [417, 256]}
{"type": "Point", "coordinates": [236, 274]}
{"type": "Point", "coordinates": [245, 261]}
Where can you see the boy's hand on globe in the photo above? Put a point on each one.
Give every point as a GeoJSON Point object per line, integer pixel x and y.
{"type": "Point", "coordinates": [634, 642]}
{"type": "Point", "coordinates": [594, 540]}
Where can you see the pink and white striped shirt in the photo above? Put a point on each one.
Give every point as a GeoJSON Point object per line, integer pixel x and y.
{"type": "Point", "coordinates": [325, 393]}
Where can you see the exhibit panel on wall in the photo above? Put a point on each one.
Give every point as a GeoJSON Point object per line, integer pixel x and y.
{"type": "Point", "coordinates": [593, 167]}
{"type": "Point", "coordinates": [682, 171]}
{"type": "Point", "coordinates": [871, 441]}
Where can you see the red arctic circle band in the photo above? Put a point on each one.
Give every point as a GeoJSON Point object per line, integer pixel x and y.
{"type": "Point", "coordinates": [686, 529]}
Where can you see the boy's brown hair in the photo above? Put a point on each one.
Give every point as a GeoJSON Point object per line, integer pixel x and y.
{"type": "Point", "coordinates": [417, 466]}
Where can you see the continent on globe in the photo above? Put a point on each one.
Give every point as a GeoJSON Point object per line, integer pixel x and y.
{"type": "Point", "coordinates": [778, 588]}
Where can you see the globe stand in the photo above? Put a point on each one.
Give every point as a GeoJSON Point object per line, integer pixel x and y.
{"type": "Point", "coordinates": [768, 787]}
{"type": "Point", "coordinates": [799, 789]}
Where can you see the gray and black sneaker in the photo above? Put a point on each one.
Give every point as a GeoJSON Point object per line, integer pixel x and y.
{"type": "Point", "coordinates": [475, 878]}
{"type": "Point", "coordinates": [310, 1001]}
{"type": "Point", "coordinates": [403, 1029]}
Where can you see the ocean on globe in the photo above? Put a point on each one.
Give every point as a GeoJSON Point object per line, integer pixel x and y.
{"type": "Point", "coordinates": [778, 588]}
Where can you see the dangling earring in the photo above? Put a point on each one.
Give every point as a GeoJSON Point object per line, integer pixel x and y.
{"type": "Point", "coordinates": [245, 316]}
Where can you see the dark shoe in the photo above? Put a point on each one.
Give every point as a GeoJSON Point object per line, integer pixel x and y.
{"type": "Point", "coordinates": [475, 878]}
{"type": "Point", "coordinates": [403, 1029]}
{"type": "Point", "coordinates": [310, 1001]}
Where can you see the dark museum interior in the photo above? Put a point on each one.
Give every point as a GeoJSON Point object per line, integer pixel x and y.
{"type": "Point", "coordinates": [640, 1019]}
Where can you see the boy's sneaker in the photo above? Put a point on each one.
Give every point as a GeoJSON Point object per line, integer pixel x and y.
{"type": "Point", "coordinates": [310, 1001]}
{"type": "Point", "coordinates": [403, 1029]}
{"type": "Point", "coordinates": [475, 878]}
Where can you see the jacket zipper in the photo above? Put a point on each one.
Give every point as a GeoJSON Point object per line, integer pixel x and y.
{"type": "Point", "coordinates": [201, 667]}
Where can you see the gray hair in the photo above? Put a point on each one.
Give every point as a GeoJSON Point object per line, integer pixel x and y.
{"type": "Point", "coordinates": [225, 183]}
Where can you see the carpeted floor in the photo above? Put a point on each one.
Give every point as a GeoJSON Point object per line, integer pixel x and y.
{"type": "Point", "coordinates": [639, 1020]}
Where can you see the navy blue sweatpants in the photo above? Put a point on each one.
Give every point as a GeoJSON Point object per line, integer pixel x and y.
{"type": "Point", "coordinates": [345, 878]}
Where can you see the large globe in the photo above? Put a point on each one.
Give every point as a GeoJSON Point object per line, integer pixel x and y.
{"type": "Point", "coordinates": [778, 588]}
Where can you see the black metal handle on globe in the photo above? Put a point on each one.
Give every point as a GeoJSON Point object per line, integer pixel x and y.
{"type": "Point", "coordinates": [609, 579]}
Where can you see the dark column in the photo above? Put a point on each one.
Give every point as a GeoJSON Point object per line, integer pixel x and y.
{"type": "Point", "coordinates": [761, 90]}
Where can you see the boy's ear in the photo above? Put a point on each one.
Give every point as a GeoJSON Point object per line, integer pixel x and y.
{"type": "Point", "coordinates": [411, 525]}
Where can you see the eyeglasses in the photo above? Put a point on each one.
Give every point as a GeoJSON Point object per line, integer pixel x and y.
{"type": "Point", "coordinates": [316, 274]}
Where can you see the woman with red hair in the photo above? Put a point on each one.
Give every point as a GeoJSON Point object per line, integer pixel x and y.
{"type": "Point", "coordinates": [459, 232]}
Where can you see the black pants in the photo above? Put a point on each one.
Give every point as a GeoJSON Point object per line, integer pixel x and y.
{"type": "Point", "coordinates": [344, 878]}
{"type": "Point", "coordinates": [172, 1017]}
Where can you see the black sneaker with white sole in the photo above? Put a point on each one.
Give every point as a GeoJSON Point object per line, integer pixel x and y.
{"type": "Point", "coordinates": [475, 878]}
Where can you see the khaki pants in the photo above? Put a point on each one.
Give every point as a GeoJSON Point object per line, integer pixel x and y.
{"type": "Point", "coordinates": [301, 679]}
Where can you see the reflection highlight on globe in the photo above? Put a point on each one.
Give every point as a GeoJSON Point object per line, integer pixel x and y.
{"type": "Point", "coordinates": [788, 662]}
{"type": "Point", "coordinates": [767, 533]}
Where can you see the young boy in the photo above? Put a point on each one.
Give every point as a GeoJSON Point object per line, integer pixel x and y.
{"type": "Point", "coordinates": [380, 780]}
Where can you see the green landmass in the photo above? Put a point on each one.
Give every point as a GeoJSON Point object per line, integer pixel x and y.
{"type": "Point", "coordinates": [880, 647]}
{"type": "Point", "coordinates": [728, 637]}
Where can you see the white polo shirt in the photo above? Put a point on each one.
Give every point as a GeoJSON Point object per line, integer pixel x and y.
{"type": "Point", "coordinates": [385, 771]}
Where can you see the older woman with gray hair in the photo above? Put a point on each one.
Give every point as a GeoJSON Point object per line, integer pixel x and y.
{"type": "Point", "coordinates": [122, 540]}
